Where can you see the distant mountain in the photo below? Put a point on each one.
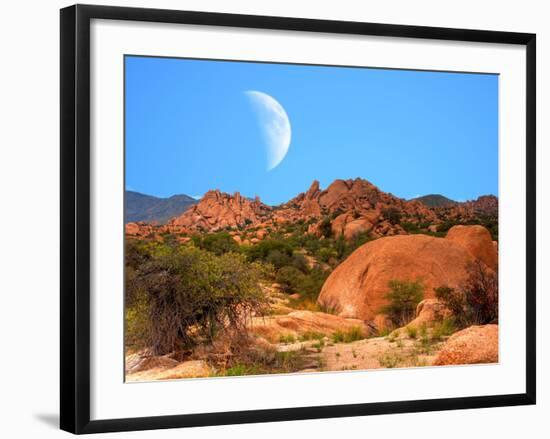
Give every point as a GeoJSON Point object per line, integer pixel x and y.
{"type": "Point", "coordinates": [141, 207]}
{"type": "Point", "coordinates": [435, 200]}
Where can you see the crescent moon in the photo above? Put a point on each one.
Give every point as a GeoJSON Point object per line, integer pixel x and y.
{"type": "Point", "coordinates": [275, 126]}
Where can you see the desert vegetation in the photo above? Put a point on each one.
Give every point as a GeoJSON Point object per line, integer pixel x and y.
{"type": "Point", "coordinates": [260, 295]}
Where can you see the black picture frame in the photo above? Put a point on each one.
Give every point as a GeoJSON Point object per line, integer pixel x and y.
{"type": "Point", "coordinates": [75, 217]}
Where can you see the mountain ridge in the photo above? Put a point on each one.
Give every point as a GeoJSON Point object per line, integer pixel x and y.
{"type": "Point", "coordinates": [140, 207]}
{"type": "Point", "coordinates": [348, 208]}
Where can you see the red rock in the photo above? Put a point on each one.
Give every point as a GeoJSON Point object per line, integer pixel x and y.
{"type": "Point", "coordinates": [428, 312]}
{"type": "Point", "coordinates": [356, 288]}
{"type": "Point", "coordinates": [298, 323]}
{"type": "Point", "coordinates": [477, 240]}
{"type": "Point", "coordinates": [217, 211]}
{"type": "Point", "coordinates": [473, 345]}
{"type": "Point", "coordinates": [355, 227]}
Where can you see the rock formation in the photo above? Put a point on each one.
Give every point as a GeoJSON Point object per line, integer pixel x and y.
{"type": "Point", "coordinates": [299, 323]}
{"type": "Point", "coordinates": [428, 312]}
{"type": "Point", "coordinates": [473, 345]}
{"type": "Point", "coordinates": [217, 210]}
{"type": "Point", "coordinates": [353, 207]}
{"type": "Point", "coordinates": [477, 240]}
{"type": "Point", "coordinates": [356, 288]}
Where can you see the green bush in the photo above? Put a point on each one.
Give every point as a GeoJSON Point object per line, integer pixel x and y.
{"type": "Point", "coordinates": [392, 214]}
{"type": "Point", "coordinates": [299, 261]}
{"type": "Point", "coordinates": [188, 295]}
{"type": "Point", "coordinates": [444, 328]}
{"type": "Point", "coordinates": [353, 334]}
{"type": "Point", "coordinates": [290, 279]}
{"type": "Point", "coordinates": [261, 250]}
{"type": "Point", "coordinates": [411, 331]}
{"type": "Point", "coordinates": [217, 243]}
{"type": "Point", "coordinates": [403, 297]}
{"type": "Point", "coordinates": [325, 227]}
{"type": "Point", "coordinates": [278, 259]}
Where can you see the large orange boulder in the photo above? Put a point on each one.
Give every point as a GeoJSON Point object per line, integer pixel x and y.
{"type": "Point", "coordinates": [477, 240]}
{"type": "Point", "coordinates": [356, 288]}
{"type": "Point", "coordinates": [473, 345]}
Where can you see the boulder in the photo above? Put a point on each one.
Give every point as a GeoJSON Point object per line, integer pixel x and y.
{"type": "Point", "coordinates": [185, 369]}
{"type": "Point", "coordinates": [142, 360]}
{"type": "Point", "coordinates": [477, 240]}
{"type": "Point", "coordinates": [473, 345]}
{"type": "Point", "coordinates": [428, 312]}
{"type": "Point", "coordinates": [356, 288]}
{"type": "Point", "coordinates": [355, 227]}
{"type": "Point", "coordinates": [301, 322]}
{"type": "Point", "coordinates": [237, 239]}
{"type": "Point", "coordinates": [132, 229]}
{"type": "Point", "coordinates": [339, 223]}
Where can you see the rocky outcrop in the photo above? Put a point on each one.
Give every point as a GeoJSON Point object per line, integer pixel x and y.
{"type": "Point", "coordinates": [217, 211]}
{"type": "Point", "coordinates": [428, 312]}
{"type": "Point", "coordinates": [138, 229]}
{"type": "Point", "coordinates": [477, 240]}
{"type": "Point", "coordinates": [301, 322]}
{"type": "Point", "coordinates": [178, 370]}
{"type": "Point", "coordinates": [485, 206]}
{"type": "Point", "coordinates": [356, 288]}
{"type": "Point", "coordinates": [357, 197]}
{"type": "Point", "coordinates": [473, 345]}
{"type": "Point", "coordinates": [353, 207]}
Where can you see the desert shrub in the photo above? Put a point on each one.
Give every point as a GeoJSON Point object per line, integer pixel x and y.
{"type": "Point", "coordinates": [263, 362]}
{"type": "Point", "coordinates": [476, 301]}
{"type": "Point", "coordinates": [311, 335]}
{"type": "Point", "coordinates": [136, 324]}
{"type": "Point", "coordinates": [312, 283]}
{"type": "Point", "coordinates": [217, 243]}
{"type": "Point", "coordinates": [325, 227]}
{"type": "Point", "coordinates": [403, 297]}
{"type": "Point", "coordinates": [389, 360]}
{"type": "Point", "coordinates": [353, 334]}
{"type": "Point", "coordinates": [411, 227]}
{"type": "Point", "coordinates": [392, 336]}
{"type": "Point", "coordinates": [325, 254]}
{"type": "Point", "coordinates": [443, 328]}
{"type": "Point", "coordinates": [411, 331]}
{"type": "Point", "coordinates": [290, 279]}
{"type": "Point", "coordinates": [191, 295]}
{"type": "Point", "coordinates": [278, 259]}
{"type": "Point", "coordinates": [392, 214]}
{"type": "Point", "coordinates": [287, 339]}
{"type": "Point", "coordinates": [261, 250]}
{"type": "Point", "coordinates": [300, 262]}
{"type": "Point", "coordinates": [481, 293]}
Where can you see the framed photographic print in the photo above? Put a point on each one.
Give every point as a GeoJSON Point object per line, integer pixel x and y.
{"type": "Point", "coordinates": [339, 213]}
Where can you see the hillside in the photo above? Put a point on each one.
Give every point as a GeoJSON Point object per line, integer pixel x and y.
{"type": "Point", "coordinates": [348, 208]}
{"type": "Point", "coordinates": [147, 208]}
{"type": "Point", "coordinates": [435, 200]}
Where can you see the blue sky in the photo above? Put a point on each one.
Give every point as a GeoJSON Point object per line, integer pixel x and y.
{"type": "Point", "coordinates": [190, 127]}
